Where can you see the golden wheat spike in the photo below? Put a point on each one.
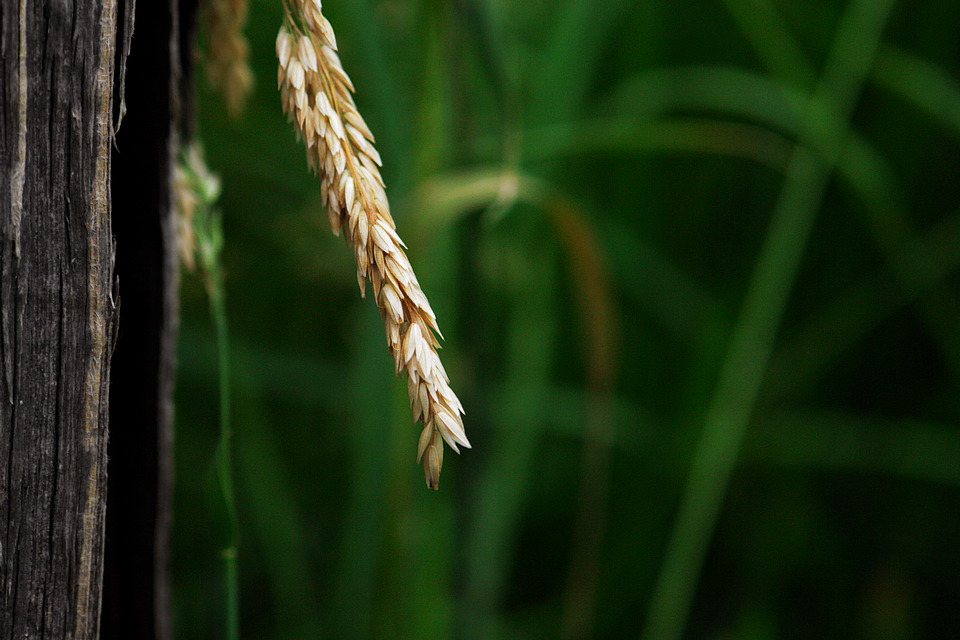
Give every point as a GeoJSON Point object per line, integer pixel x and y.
{"type": "Point", "coordinates": [317, 97]}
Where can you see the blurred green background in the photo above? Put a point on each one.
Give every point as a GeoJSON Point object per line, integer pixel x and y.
{"type": "Point", "coordinates": [696, 264]}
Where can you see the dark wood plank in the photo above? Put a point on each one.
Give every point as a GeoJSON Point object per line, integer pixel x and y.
{"type": "Point", "coordinates": [56, 312]}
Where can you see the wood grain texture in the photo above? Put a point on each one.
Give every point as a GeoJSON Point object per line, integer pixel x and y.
{"type": "Point", "coordinates": [56, 311]}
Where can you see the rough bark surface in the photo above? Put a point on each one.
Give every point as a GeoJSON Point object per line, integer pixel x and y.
{"type": "Point", "coordinates": [56, 311]}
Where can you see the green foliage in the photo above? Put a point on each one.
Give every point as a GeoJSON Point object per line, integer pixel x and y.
{"type": "Point", "coordinates": [696, 267]}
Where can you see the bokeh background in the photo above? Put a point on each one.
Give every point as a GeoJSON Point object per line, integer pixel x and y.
{"type": "Point", "coordinates": [696, 267]}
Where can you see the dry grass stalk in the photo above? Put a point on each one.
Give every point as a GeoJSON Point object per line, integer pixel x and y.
{"type": "Point", "coordinates": [317, 96]}
{"type": "Point", "coordinates": [195, 189]}
{"type": "Point", "coordinates": [185, 202]}
{"type": "Point", "coordinates": [228, 54]}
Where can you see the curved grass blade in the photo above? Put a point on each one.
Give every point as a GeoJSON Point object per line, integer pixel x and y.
{"type": "Point", "coordinates": [731, 406]}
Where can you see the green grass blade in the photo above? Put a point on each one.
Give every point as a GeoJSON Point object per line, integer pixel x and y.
{"type": "Point", "coordinates": [367, 440]}
{"type": "Point", "coordinates": [928, 87]}
{"type": "Point", "coordinates": [834, 329]}
{"type": "Point", "coordinates": [268, 491]}
{"type": "Point", "coordinates": [773, 41]}
{"type": "Point", "coordinates": [909, 449]}
{"type": "Point", "coordinates": [628, 135]}
{"type": "Point", "coordinates": [558, 85]}
{"type": "Point", "coordinates": [731, 406]}
{"type": "Point", "coordinates": [500, 494]}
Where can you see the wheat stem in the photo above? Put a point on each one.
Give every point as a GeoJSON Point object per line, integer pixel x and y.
{"type": "Point", "coordinates": [200, 239]}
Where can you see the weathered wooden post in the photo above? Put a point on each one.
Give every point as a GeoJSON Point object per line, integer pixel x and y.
{"type": "Point", "coordinates": [87, 262]}
{"type": "Point", "coordinates": [57, 311]}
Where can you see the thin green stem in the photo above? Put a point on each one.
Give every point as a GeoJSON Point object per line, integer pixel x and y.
{"type": "Point", "coordinates": [224, 458]}
{"type": "Point", "coordinates": [208, 231]}
{"type": "Point", "coordinates": [730, 409]}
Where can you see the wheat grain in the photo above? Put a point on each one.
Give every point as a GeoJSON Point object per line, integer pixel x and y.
{"type": "Point", "coordinates": [317, 96]}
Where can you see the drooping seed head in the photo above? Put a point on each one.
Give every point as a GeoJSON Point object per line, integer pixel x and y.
{"type": "Point", "coordinates": [316, 95]}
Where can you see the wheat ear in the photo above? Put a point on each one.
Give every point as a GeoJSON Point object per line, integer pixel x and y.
{"type": "Point", "coordinates": [228, 54]}
{"type": "Point", "coordinates": [317, 97]}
